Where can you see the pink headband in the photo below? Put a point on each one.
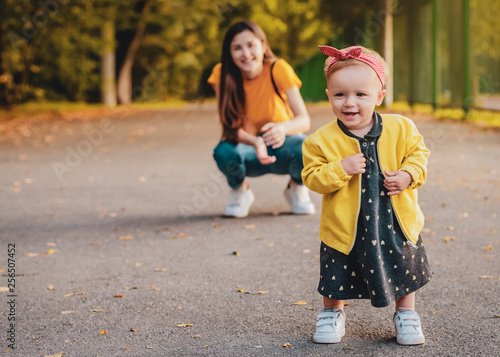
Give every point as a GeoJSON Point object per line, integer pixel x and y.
{"type": "Point", "coordinates": [354, 53]}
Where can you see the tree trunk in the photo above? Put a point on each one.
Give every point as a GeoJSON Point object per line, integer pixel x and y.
{"type": "Point", "coordinates": [388, 51]}
{"type": "Point", "coordinates": [5, 76]}
{"type": "Point", "coordinates": [108, 64]}
{"type": "Point", "coordinates": [125, 75]}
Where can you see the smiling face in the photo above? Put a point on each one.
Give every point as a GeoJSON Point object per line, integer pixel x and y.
{"type": "Point", "coordinates": [354, 91]}
{"type": "Point", "coordinates": [247, 52]}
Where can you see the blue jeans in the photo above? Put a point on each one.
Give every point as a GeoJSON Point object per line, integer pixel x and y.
{"type": "Point", "coordinates": [239, 161]}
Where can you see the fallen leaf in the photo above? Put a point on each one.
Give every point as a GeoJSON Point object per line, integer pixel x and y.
{"type": "Point", "coordinates": [126, 238]}
{"type": "Point", "coordinates": [435, 312]}
{"type": "Point", "coordinates": [4, 289]}
{"type": "Point", "coordinates": [486, 277]}
{"type": "Point", "coordinates": [449, 228]}
{"type": "Point", "coordinates": [98, 310]}
{"type": "Point", "coordinates": [464, 215]}
{"type": "Point", "coordinates": [131, 287]}
{"type": "Point", "coordinates": [216, 225]}
{"type": "Point", "coordinates": [103, 332]}
{"type": "Point", "coordinates": [160, 269]}
{"type": "Point", "coordinates": [51, 244]}
{"type": "Point", "coordinates": [287, 345]}
{"type": "Point", "coordinates": [196, 336]}
{"type": "Point", "coordinates": [139, 264]}
{"type": "Point", "coordinates": [67, 312]}
{"type": "Point", "coordinates": [310, 308]}
{"type": "Point", "coordinates": [133, 330]}
{"type": "Point", "coordinates": [270, 244]}
{"type": "Point", "coordinates": [56, 355]}
{"type": "Point", "coordinates": [206, 346]}
{"type": "Point", "coordinates": [449, 239]}
{"type": "Point", "coordinates": [184, 325]}
{"type": "Point", "coordinates": [236, 253]}
{"type": "Point", "coordinates": [75, 293]}
{"type": "Point", "coordinates": [32, 255]}
{"type": "Point", "coordinates": [51, 287]}
{"type": "Point", "coordinates": [150, 348]}
{"type": "Point", "coordinates": [262, 292]}
{"type": "Point", "coordinates": [182, 235]}
{"type": "Point", "coordinates": [490, 247]}
{"type": "Point", "coordinates": [125, 348]}
{"type": "Point", "coordinates": [249, 226]}
{"type": "Point", "coordinates": [118, 295]}
{"type": "Point", "coordinates": [95, 243]}
{"type": "Point", "coordinates": [306, 251]}
{"type": "Point", "coordinates": [349, 348]}
{"type": "Point", "coordinates": [300, 303]}
{"type": "Point", "coordinates": [153, 287]}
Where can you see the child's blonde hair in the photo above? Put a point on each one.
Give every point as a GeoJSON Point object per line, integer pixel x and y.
{"type": "Point", "coordinates": [353, 62]}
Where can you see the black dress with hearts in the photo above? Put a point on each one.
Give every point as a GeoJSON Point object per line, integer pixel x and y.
{"type": "Point", "coordinates": [382, 266]}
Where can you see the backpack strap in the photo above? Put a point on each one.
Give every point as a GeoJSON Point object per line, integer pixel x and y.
{"type": "Point", "coordinates": [274, 83]}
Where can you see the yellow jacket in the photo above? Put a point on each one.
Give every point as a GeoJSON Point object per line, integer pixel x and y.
{"type": "Point", "coordinates": [400, 147]}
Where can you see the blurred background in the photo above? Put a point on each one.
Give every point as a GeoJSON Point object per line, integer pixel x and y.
{"type": "Point", "coordinates": [443, 53]}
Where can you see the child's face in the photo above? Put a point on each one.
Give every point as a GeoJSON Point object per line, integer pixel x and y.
{"type": "Point", "coordinates": [247, 52]}
{"type": "Point", "coordinates": [354, 91]}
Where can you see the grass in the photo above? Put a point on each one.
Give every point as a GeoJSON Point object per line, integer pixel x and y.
{"type": "Point", "coordinates": [483, 117]}
{"type": "Point", "coordinates": [488, 118]}
{"type": "Point", "coordinates": [54, 108]}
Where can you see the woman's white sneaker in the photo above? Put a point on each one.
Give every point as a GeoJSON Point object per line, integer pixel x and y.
{"type": "Point", "coordinates": [239, 202]}
{"type": "Point", "coordinates": [408, 329]}
{"type": "Point", "coordinates": [299, 200]}
{"type": "Point", "coordinates": [330, 327]}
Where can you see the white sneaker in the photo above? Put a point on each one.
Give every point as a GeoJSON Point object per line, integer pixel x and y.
{"type": "Point", "coordinates": [239, 202]}
{"type": "Point", "coordinates": [330, 327]}
{"type": "Point", "coordinates": [408, 329]}
{"type": "Point", "coordinates": [299, 200]}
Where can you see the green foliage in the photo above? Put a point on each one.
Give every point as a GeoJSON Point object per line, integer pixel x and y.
{"type": "Point", "coordinates": [54, 46]}
{"type": "Point", "coordinates": [51, 49]}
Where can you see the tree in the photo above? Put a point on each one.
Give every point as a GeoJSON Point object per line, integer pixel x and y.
{"type": "Point", "coordinates": [124, 85]}
{"type": "Point", "coordinates": [108, 60]}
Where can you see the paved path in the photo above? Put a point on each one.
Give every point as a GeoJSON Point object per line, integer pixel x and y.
{"type": "Point", "coordinates": [121, 249]}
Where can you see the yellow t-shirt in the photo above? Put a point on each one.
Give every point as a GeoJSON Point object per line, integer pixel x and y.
{"type": "Point", "coordinates": [263, 105]}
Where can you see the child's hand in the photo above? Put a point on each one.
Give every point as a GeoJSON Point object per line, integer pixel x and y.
{"type": "Point", "coordinates": [261, 152]}
{"type": "Point", "coordinates": [396, 182]}
{"type": "Point", "coordinates": [354, 164]}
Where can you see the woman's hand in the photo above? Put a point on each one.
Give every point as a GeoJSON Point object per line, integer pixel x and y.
{"type": "Point", "coordinates": [396, 182]}
{"type": "Point", "coordinates": [274, 134]}
{"type": "Point", "coordinates": [261, 151]}
{"type": "Point", "coordinates": [354, 164]}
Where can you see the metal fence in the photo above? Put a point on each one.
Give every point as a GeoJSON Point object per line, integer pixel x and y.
{"type": "Point", "coordinates": [445, 52]}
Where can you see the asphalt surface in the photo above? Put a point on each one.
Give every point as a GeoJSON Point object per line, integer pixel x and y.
{"type": "Point", "coordinates": [121, 249]}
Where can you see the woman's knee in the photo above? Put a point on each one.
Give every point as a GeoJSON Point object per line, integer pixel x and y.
{"type": "Point", "coordinates": [224, 151]}
{"type": "Point", "coordinates": [226, 156]}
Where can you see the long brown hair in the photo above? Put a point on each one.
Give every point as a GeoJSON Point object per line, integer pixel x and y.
{"type": "Point", "coordinates": [232, 103]}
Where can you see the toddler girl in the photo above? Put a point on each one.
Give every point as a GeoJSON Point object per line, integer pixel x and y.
{"type": "Point", "coordinates": [368, 167]}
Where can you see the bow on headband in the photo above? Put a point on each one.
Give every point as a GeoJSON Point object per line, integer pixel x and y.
{"type": "Point", "coordinates": [354, 53]}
